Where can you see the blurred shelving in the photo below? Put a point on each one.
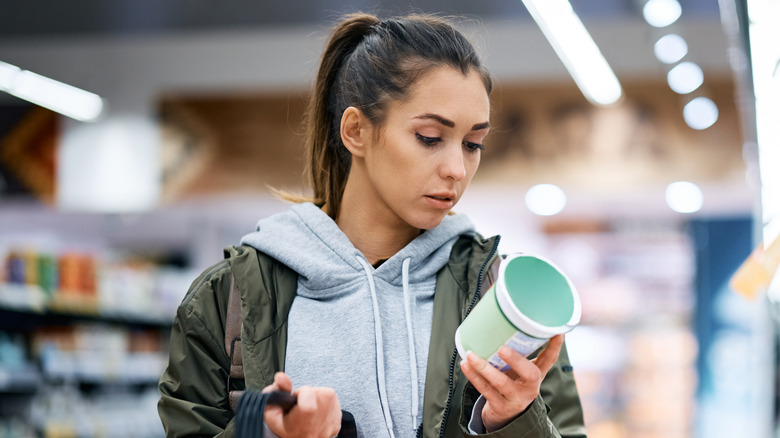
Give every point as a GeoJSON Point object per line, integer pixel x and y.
{"type": "Point", "coordinates": [634, 353]}
{"type": "Point", "coordinates": [29, 303]}
{"type": "Point", "coordinates": [19, 381]}
{"type": "Point", "coordinates": [85, 315]}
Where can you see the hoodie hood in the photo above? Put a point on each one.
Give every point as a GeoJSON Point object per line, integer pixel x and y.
{"type": "Point", "coordinates": [309, 242]}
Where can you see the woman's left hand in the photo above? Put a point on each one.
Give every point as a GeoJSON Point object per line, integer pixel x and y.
{"type": "Point", "coordinates": [508, 394]}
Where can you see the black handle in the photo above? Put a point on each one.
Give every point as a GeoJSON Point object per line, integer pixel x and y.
{"type": "Point", "coordinates": [285, 400]}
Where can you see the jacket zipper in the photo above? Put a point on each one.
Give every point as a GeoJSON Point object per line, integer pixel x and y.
{"type": "Point", "coordinates": [455, 353]}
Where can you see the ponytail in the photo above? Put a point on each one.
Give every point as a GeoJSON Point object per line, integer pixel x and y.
{"type": "Point", "coordinates": [327, 159]}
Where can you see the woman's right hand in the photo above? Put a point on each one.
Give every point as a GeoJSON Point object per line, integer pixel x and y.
{"type": "Point", "coordinates": [316, 414]}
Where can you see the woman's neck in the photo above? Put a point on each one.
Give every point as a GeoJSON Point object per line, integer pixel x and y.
{"type": "Point", "coordinates": [372, 236]}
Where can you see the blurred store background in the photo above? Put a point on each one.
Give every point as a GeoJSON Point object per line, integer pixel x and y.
{"type": "Point", "coordinates": [651, 203]}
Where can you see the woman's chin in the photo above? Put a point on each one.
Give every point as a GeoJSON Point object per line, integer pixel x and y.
{"type": "Point", "coordinates": [430, 221]}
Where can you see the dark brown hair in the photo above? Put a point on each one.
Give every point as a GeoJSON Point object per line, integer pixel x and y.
{"type": "Point", "coordinates": [367, 63]}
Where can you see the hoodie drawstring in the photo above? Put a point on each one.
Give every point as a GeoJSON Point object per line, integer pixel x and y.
{"type": "Point", "coordinates": [380, 350]}
{"type": "Point", "coordinates": [410, 335]}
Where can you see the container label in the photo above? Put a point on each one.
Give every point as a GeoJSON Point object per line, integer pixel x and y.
{"type": "Point", "coordinates": [520, 342]}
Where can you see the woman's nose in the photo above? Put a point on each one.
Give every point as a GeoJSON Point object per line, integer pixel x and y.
{"type": "Point", "coordinates": [454, 165]}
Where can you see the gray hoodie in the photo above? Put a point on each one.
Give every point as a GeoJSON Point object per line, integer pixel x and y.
{"type": "Point", "coordinates": [362, 331]}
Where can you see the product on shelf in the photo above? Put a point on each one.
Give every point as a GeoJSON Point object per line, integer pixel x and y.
{"type": "Point", "coordinates": [95, 353]}
{"type": "Point", "coordinates": [88, 284]}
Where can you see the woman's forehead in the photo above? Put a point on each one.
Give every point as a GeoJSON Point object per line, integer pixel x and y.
{"type": "Point", "coordinates": [447, 96]}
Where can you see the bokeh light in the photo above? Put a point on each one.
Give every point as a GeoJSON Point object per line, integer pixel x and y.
{"type": "Point", "coordinates": [685, 77]}
{"type": "Point", "coordinates": [684, 197]}
{"type": "Point", "coordinates": [700, 113]}
{"type": "Point", "coordinates": [670, 48]}
{"type": "Point", "coordinates": [661, 13]}
{"type": "Point", "coordinates": [545, 199]}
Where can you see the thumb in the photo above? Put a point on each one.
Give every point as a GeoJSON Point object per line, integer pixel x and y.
{"type": "Point", "coordinates": [549, 355]}
{"type": "Point", "coordinates": [282, 382]}
{"type": "Point", "coordinates": [274, 415]}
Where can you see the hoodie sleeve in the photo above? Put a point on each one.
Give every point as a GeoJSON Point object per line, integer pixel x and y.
{"type": "Point", "coordinates": [193, 394]}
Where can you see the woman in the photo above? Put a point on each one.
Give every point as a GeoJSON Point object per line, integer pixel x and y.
{"type": "Point", "coordinates": [352, 300]}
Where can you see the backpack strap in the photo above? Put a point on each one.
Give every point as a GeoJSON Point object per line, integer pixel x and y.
{"type": "Point", "coordinates": [233, 341]}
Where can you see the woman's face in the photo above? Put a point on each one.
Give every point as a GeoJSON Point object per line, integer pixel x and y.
{"type": "Point", "coordinates": [428, 148]}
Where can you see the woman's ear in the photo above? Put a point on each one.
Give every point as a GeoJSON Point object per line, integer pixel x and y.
{"type": "Point", "coordinates": [355, 131]}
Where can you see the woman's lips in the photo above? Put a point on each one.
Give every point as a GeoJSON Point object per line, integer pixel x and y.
{"type": "Point", "coordinates": [441, 201]}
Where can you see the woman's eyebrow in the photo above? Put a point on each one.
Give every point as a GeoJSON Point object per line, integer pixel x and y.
{"type": "Point", "coordinates": [442, 120]}
{"type": "Point", "coordinates": [480, 126]}
{"type": "Point", "coordinates": [449, 123]}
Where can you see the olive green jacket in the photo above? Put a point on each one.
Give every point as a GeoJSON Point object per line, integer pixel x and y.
{"type": "Point", "coordinates": [194, 391]}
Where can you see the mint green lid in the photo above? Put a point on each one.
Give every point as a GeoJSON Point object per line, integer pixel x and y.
{"type": "Point", "coordinates": [540, 291]}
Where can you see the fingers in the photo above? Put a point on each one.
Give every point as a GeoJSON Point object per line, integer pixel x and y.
{"type": "Point", "coordinates": [536, 368]}
{"type": "Point", "coordinates": [317, 413]}
{"type": "Point", "coordinates": [312, 399]}
{"type": "Point", "coordinates": [506, 397]}
{"type": "Point", "coordinates": [485, 378]}
{"type": "Point", "coordinates": [547, 357]}
{"type": "Point", "coordinates": [307, 399]}
{"type": "Point", "coordinates": [492, 383]}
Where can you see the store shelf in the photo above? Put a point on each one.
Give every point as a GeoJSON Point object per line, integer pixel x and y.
{"type": "Point", "coordinates": [103, 368]}
{"type": "Point", "coordinates": [22, 298]}
{"type": "Point", "coordinates": [19, 381]}
{"type": "Point", "coordinates": [33, 304]}
{"type": "Point", "coordinates": [67, 410]}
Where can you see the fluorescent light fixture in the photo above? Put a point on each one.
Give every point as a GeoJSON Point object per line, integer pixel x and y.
{"type": "Point", "coordinates": [54, 95]}
{"type": "Point", "coordinates": [545, 199]}
{"type": "Point", "coordinates": [7, 74]}
{"type": "Point", "coordinates": [684, 197]}
{"type": "Point", "coordinates": [670, 48]}
{"type": "Point", "coordinates": [700, 113]}
{"type": "Point", "coordinates": [685, 77]}
{"type": "Point", "coordinates": [579, 53]}
{"type": "Point", "coordinates": [763, 16]}
{"type": "Point", "coordinates": [661, 13]}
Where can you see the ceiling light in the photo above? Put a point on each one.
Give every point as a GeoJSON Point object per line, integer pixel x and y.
{"type": "Point", "coordinates": [661, 13]}
{"type": "Point", "coordinates": [763, 35]}
{"type": "Point", "coordinates": [579, 53]}
{"type": "Point", "coordinates": [670, 48]}
{"type": "Point", "coordinates": [684, 197]}
{"type": "Point", "coordinates": [54, 95]}
{"type": "Point", "coordinates": [685, 77]}
{"type": "Point", "coordinates": [700, 113]}
{"type": "Point", "coordinates": [7, 74]}
{"type": "Point", "coordinates": [545, 199]}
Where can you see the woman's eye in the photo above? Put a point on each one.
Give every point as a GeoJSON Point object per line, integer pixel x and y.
{"type": "Point", "coordinates": [473, 147]}
{"type": "Point", "coordinates": [428, 141]}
